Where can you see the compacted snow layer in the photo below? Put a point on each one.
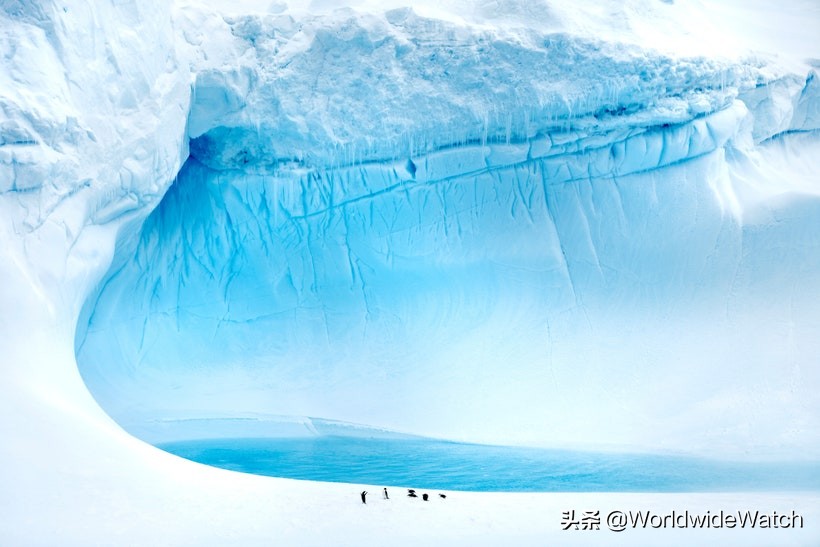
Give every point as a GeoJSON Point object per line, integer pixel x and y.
{"type": "Point", "coordinates": [546, 223]}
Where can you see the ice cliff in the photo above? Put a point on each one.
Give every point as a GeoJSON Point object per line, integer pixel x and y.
{"type": "Point", "coordinates": [543, 224]}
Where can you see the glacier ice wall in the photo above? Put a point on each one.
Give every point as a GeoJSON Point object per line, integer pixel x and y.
{"type": "Point", "coordinates": [540, 237]}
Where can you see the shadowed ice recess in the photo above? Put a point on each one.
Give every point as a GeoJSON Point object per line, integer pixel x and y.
{"type": "Point", "coordinates": [542, 242]}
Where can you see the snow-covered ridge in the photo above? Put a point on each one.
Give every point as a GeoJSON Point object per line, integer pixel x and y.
{"type": "Point", "coordinates": [73, 102]}
{"type": "Point", "coordinates": [303, 93]}
{"type": "Point", "coordinates": [267, 93]}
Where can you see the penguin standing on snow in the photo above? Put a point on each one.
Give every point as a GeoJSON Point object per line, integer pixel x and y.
{"type": "Point", "coordinates": [364, 494]}
{"type": "Point", "coordinates": [385, 494]}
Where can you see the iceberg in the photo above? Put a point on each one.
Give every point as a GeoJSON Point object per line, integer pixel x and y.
{"type": "Point", "coordinates": [534, 224]}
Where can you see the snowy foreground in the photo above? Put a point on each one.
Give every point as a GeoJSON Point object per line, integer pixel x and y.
{"type": "Point", "coordinates": [576, 224]}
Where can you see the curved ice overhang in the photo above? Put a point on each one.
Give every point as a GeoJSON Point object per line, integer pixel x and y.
{"type": "Point", "coordinates": [448, 228]}
{"type": "Point", "coordinates": [421, 85]}
{"type": "Point", "coordinates": [541, 142]}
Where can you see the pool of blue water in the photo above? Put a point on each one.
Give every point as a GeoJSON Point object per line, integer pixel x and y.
{"type": "Point", "coordinates": [445, 465]}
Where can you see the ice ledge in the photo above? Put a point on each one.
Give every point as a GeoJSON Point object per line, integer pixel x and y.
{"type": "Point", "coordinates": [577, 156]}
{"type": "Point", "coordinates": [564, 157]}
{"type": "Point", "coordinates": [346, 88]}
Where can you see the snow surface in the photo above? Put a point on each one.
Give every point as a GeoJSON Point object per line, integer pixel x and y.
{"type": "Point", "coordinates": [561, 224]}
